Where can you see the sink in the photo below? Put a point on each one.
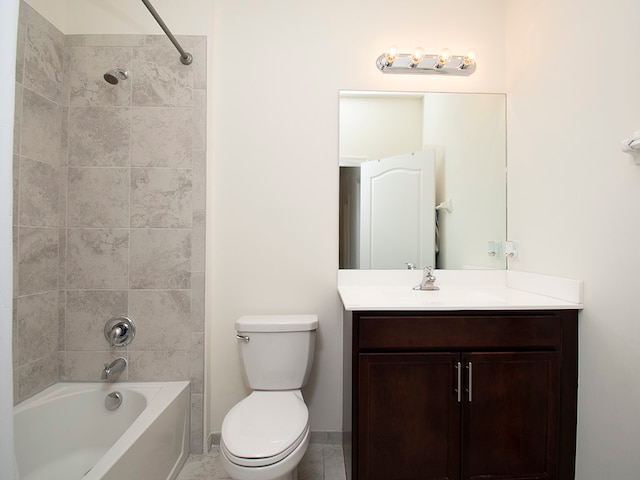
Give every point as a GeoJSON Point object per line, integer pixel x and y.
{"type": "Point", "coordinates": [400, 296]}
{"type": "Point", "coordinates": [459, 290]}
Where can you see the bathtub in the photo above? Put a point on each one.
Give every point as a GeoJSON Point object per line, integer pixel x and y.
{"type": "Point", "coordinates": [66, 433]}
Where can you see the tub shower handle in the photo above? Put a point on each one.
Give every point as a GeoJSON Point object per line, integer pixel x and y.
{"type": "Point", "coordinates": [119, 331]}
{"type": "Point", "coordinates": [244, 338]}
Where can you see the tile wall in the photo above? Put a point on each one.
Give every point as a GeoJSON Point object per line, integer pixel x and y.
{"type": "Point", "coordinates": [38, 155]}
{"type": "Point", "coordinates": [110, 208]}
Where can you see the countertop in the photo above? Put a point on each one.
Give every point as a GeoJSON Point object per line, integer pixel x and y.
{"type": "Point", "coordinates": [392, 290]}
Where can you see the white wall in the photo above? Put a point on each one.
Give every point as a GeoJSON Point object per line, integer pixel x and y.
{"type": "Point", "coordinates": [373, 127]}
{"type": "Point", "coordinates": [574, 198]}
{"type": "Point", "coordinates": [279, 66]}
{"type": "Point", "coordinates": [468, 133]}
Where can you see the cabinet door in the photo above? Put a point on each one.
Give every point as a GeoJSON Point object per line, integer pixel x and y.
{"type": "Point", "coordinates": [408, 417]}
{"type": "Point", "coordinates": [510, 416]}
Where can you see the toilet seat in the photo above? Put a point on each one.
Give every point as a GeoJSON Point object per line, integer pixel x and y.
{"type": "Point", "coordinates": [264, 428]}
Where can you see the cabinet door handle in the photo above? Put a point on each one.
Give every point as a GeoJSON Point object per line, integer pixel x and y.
{"type": "Point", "coordinates": [470, 388]}
{"type": "Point", "coordinates": [459, 389]}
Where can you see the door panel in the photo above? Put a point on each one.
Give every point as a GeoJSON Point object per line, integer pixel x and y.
{"type": "Point", "coordinates": [510, 416]}
{"type": "Point", "coordinates": [408, 417]}
{"type": "Point", "coordinates": [398, 211]}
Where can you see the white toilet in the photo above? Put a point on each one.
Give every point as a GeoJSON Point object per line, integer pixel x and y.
{"type": "Point", "coordinates": [265, 435]}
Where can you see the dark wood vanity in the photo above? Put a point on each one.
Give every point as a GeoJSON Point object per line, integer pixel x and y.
{"type": "Point", "coordinates": [460, 395]}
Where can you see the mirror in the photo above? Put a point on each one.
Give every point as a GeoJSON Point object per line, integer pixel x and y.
{"type": "Point", "coordinates": [460, 214]}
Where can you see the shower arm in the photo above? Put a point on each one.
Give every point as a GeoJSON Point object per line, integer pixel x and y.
{"type": "Point", "coordinates": [185, 58]}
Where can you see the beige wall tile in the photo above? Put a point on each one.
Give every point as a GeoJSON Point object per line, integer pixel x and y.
{"type": "Point", "coordinates": [17, 118]}
{"type": "Point", "coordinates": [161, 79]}
{"type": "Point", "coordinates": [43, 60]}
{"type": "Point", "coordinates": [161, 198]}
{"type": "Point", "coordinates": [97, 258]}
{"type": "Point", "coordinates": [41, 128]}
{"type": "Point", "coordinates": [16, 262]}
{"type": "Point", "coordinates": [38, 194]}
{"type": "Point", "coordinates": [87, 86]}
{"type": "Point", "coordinates": [198, 241]}
{"type": "Point", "coordinates": [37, 326]}
{"type": "Point", "coordinates": [88, 366]}
{"type": "Point", "coordinates": [16, 187]}
{"type": "Point", "coordinates": [62, 258]}
{"type": "Point", "coordinates": [20, 47]}
{"type": "Point", "coordinates": [197, 301]}
{"type": "Point", "coordinates": [173, 247]}
{"type": "Point", "coordinates": [199, 169]}
{"type": "Point", "coordinates": [199, 64]}
{"type": "Point", "coordinates": [161, 137]}
{"type": "Point", "coordinates": [98, 197]}
{"type": "Point", "coordinates": [199, 120]}
{"type": "Point", "coordinates": [158, 366]}
{"type": "Point", "coordinates": [37, 260]}
{"type": "Point", "coordinates": [36, 376]}
{"type": "Point", "coordinates": [162, 319]}
{"type": "Point", "coordinates": [62, 304]}
{"type": "Point", "coordinates": [87, 313]}
{"type": "Point", "coordinates": [196, 353]}
{"type": "Point", "coordinates": [99, 136]}
{"type": "Point", "coordinates": [197, 419]}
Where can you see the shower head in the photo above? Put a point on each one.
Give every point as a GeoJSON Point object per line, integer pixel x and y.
{"type": "Point", "coordinates": [115, 75]}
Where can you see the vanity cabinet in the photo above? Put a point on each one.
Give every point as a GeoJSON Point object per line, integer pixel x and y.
{"type": "Point", "coordinates": [463, 395]}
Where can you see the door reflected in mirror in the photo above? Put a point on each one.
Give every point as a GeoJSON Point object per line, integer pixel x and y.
{"type": "Point", "coordinates": [451, 212]}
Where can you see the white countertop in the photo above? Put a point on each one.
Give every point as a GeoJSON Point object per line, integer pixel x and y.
{"type": "Point", "coordinates": [459, 290]}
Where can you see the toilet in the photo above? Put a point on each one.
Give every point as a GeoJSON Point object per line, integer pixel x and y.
{"type": "Point", "coordinates": [265, 435]}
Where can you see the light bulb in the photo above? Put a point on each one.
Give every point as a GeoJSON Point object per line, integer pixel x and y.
{"type": "Point", "coordinates": [416, 57]}
{"type": "Point", "coordinates": [391, 55]}
{"type": "Point", "coordinates": [469, 58]}
{"type": "Point", "coordinates": [444, 57]}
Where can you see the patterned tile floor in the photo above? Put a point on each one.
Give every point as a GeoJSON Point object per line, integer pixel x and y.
{"type": "Point", "coordinates": [321, 462]}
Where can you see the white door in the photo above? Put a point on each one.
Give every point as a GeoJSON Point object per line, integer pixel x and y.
{"type": "Point", "coordinates": [398, 211]}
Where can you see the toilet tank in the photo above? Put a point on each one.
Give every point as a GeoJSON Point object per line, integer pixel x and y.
{"type": "Point", "coordinates": [277, 350]}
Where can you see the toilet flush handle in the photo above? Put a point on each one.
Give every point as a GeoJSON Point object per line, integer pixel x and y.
{"type": "Point", "coordinates": [244, 338]}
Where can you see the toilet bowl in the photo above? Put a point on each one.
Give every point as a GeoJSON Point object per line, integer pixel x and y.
{"type": "Point", "coordinates": [265, 435]}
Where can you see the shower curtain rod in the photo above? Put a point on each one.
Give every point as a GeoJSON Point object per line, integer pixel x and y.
{"type": "Point", "coordinates": [185, 58]}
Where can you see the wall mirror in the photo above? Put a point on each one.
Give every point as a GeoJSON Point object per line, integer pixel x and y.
{"type": "Point", "coordinates": [422, 180]}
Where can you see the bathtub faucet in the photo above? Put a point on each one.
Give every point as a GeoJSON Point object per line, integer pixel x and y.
{"type": "Point", "coordinates": [113, 368]}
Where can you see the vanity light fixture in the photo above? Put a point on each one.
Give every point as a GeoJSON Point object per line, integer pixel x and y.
{"type": "Point", "coordinates": [419, 62]}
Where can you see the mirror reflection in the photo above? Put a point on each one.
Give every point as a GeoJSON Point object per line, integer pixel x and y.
{"type": "Point", "coordinates": [422, 180]}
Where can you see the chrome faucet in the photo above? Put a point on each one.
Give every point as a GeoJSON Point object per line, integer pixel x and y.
{"type": "Point", "coordinates": [119, 331]}
{"type": "Point", "coordinates": [428, 281]}
{"type": "Point", "coordinates": [113, 368]}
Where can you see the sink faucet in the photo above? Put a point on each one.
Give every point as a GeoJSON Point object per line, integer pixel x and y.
{"type": "Point", "coordinates": [113, 368]}
{"type": "Point", "coordinates": [428, 281]}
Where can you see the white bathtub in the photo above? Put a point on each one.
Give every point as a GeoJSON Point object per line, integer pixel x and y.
{"type": "Point", "coordinates": [66, 433]}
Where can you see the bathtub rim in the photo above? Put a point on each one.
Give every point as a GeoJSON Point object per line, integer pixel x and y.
{"type": "Point", "coordinates": [165, 394]}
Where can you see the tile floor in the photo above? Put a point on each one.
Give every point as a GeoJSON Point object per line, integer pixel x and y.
{"type": "Point", "coordinates": [321, 462]}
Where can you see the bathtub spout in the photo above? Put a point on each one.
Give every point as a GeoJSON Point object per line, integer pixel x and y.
{"type": "Point", "coordinates": [113, 368]}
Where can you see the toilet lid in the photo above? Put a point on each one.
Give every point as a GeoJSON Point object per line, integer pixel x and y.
{"type": "Point", "coordinates": [264, 427]}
